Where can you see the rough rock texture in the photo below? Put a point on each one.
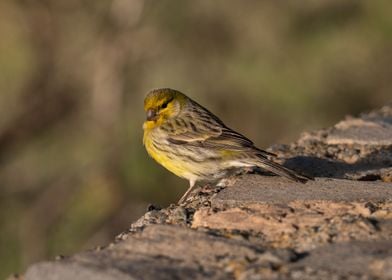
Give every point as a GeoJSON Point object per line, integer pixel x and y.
{"type": "Point", "coordinates": [338, 226]}
{"type": "Point", "coordinates": [317, 213]}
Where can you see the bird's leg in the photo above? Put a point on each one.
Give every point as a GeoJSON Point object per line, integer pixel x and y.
{"type": "Point", "coordinates": [192, 184]}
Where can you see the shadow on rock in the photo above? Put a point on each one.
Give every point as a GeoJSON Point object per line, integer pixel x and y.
{"type": "Point", "coordinates": [367, 168]}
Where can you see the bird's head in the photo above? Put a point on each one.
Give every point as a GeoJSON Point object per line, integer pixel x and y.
{"type": "Point", "coordinates": [162, 104]}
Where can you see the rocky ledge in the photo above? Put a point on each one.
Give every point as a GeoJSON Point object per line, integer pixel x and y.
{"type": "Point", "coordinates": [338, 226]}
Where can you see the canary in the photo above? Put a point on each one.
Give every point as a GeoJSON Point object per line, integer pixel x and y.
{"type": "Point", "coordinates": [191, 142]}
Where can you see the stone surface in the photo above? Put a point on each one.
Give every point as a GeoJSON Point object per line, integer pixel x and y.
{"type": "Point", "coordinates": [370, 129]}
{"type": "Point", "coordinates": [374, 128]}
{"type": "Point", "coordinates": [351, 259]}
{"type": "Point", "coordinates": [338, 226]}
{"type": "Point", "coordinates": [301, 216]}
{"type": "Point", "coordinates": [271, 189]}
{"type": "Point", "coordinates": [165, 252]}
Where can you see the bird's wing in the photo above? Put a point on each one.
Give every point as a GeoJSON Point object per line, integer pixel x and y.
{"type": "Point", "coordinates": [208, 132]}
{"type": "Point", "coordinates": [234, 141]}
{"type": "Point", "coordinates": [188, 130]}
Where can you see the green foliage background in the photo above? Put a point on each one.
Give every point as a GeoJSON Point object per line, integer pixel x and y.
{"type": "Point", "coordinates": [73, 75]}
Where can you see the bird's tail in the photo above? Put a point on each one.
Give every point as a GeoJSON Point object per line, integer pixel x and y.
{"type": "Point", "coordinates": [280, 170]}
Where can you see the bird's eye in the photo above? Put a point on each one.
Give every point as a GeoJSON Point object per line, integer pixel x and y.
{"type": "Point", "coordinates": [164, 105]}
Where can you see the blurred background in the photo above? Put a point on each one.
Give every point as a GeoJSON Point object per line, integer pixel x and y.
{"type": "Point", "coordinates": [73, 75]}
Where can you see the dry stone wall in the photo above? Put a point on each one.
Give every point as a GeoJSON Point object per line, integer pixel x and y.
{"type": "Point", "coordinates": [338, 226]}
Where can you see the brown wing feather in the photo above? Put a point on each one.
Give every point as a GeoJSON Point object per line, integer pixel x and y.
{"type": "Point", "coordinates": [210, 132]}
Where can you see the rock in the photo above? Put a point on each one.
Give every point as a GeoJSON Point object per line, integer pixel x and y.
{"type": "Point", "coordinates": [272, 189]}
{"type": "Point", "coordinates": [164, 252]}
{"type": "Point", "coordinates": [338, 226]}
{"type": "Point", "coordinates": [73, 270]}
{"type": "Point", "coordinates": [300, 216]}
{"type": "Point", "coordinates": [352, 259]}
{"type": "Point", "coordinates": [374, 128]}
{"type": "Point", "coordinates": [356, 149]}
{"type": "Point", "coordinates": [370, 129]}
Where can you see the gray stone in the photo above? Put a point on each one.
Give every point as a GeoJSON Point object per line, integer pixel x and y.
{"type": "Point", "coordinates": [272, 189]}
{"type": "Point", "coordinates": [374, 128]}
{"type": "Point", "coordinates": [72, 270]}
{"type": "Point", "coordinates": [162, 252]}
{"type": "Point", "coordinates": [351, 259]}
{"type": "Point", "coordinates": [266, 227]}
{"type": "Point", "coordinates": [360, 131]}
{"type": "Point", "coordinates": [301, 216]}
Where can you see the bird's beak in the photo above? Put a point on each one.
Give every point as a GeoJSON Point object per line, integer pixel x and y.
{"type": "Point", "coordinates": [151, 115]}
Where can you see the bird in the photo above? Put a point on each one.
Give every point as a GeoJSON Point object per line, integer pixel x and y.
{"type": "Point", "coordinates": [194, 144]}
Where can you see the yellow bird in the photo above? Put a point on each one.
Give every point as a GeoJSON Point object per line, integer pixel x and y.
{"type": "Point", "coordinates": [194, 144]}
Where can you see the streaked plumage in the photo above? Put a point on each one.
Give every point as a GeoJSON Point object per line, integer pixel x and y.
{"type": "Point", "coordinates": [194, 144]}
